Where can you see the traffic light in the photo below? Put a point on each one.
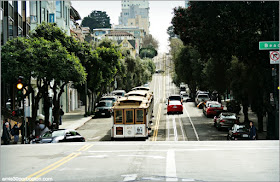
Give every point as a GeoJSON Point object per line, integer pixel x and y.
{"type": "Point", "coordinates": [14, 113]}
{"type": "Point", "coordinates": [19, 83]}
{"type": "Point", "coordinates": [20, 88]}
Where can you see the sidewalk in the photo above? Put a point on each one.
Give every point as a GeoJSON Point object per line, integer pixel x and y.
{"type": "Point", "coordinates": [74, 119]}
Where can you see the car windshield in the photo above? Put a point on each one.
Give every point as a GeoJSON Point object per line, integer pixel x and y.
{"type": "Point", "coordinates": [108, 98]}
{"type": "Point", "coordinates": [53, 134]}
{"type": "Point", "coordinates": [104, 104]}
{"type": "Point", "coordinates": [175, 98]}
{"type": "Point", "coordinates": [228, 114]}
{"type": "Point", "coordinates": [119, 93]}
{"type": "Point", "coordinates": [185, 95]}
{"type": "Point", "coordinates": [242, 130]}
{"type": "Point", "coordinates": [215, 105]}
{"type": "Point", "coordinates": [203, 96]}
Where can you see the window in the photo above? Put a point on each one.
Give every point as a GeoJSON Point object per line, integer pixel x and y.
{"type": "Point", "coordinates": [19, 8]}
{"type": "Point", "coordinates": [43, 17]}
{"type": "Point", "coordinates": [125, 45]}
{"type": "Point", "coordinates": [118, 116]}
{"type": "Point", "coordinates": [33, 13]}
{"type": "Point", "coordinates": [58, 9]}
{"type": "Point", "coordinates": [20, 32]}
{"type": "Point", "coordinates": [139, 116]}
{"type": "Point", "coordinates": [11, 23]}
{"type": "Point", "coordinates": [129, 116]}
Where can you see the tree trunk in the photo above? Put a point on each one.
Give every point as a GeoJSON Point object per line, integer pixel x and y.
{"type": "Point", "coordinates": [260, 121]}
{"type": "Point", "coordinates": [245, 112]}
{"type": "Point", "coordinates": [56, 103]}
{"type": "Point", "coordinates": [46, 105]}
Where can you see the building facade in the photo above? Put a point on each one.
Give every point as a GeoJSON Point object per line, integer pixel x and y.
{"type": "Point", "coordinates": [14, 16]}
{"type": "Point", "coordinates": [135, 13]}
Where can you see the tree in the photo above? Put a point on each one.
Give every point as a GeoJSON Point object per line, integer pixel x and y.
{"type": "Point", "coordinates": [170, 32]}
{"type": "Point", "coordinates": [149, 41]}
{"type": "Point", "coordinates": [48, 62]}
{"type": "Point", "coordinates": [222, 29]}
{"type": "Point", "coordinates": [148, 52]}
{"type": "Point", "coordinates": [97, 19]}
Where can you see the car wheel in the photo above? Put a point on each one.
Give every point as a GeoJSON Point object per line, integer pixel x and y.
{"type": "Point", "coordinates": [228, 138]}
{"type": "Point", "coordinates": [168, 113]}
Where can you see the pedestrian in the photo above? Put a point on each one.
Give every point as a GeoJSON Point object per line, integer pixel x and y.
{"type": "Point", "coordinates": [42, 125]}
{"type": "Point", "coordinates": [252, 131]}
{"type": "Point", "coordinates": [61, 113]}
{"type": "Point", "coordinates": [15, 132]}
{"type": "Point", "coordinates": [37, 130]}
{"type": "Point", "coordinates": [6, 133]}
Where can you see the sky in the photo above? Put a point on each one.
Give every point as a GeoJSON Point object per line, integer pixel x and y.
{"type": "Point", "coordinates": [160, 16]}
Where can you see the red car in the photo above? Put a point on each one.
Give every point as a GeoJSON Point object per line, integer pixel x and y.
{"type": "Point", "coordinates": [212, 108]}
{"type": "Point", "coordinates": [174, 106]}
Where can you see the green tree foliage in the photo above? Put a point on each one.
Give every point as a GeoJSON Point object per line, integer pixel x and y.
{"type": "Point", "coordinates": [220, 30]}
{"type": "Point", "coordinates": [48, 61]}
{"type": "Point", "coordinates": [97, 19]}
{"type": "Point", "coordinates": [148, 52]}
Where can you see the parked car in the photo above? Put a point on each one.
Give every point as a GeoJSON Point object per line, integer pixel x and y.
{"type": "Point", "coordinates": [174, 97]}
{"type": "Point", "coordinates": [60, 135]}
{"type": "Point", "coordinates": [201, 97]}
{"type": "Point", "coordinates": [119, 93]}
{"type": "Point", "coordinates": [185, 97]}
{"type": "Point", "coordinates": [212, 108]}
{"type": "Point", "coordinates": [112, 98]}
{"type": "Point", "coordinates": [175, 106]}
{"type": "Point", "coordinates": [104, 108]}
{"type": "Point", "coordinates": [159, 71]}
{"type": "Point", "coordinates": [238, 132]}
{"type": "Point", "coordinates": [182, 87]}
{"type": "Point", "coordinates": [225, 120]}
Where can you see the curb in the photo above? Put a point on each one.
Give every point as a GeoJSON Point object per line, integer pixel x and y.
{"type": "Point", "coordinates": [79, 124]}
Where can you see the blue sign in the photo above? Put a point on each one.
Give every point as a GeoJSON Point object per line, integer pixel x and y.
{"type": "Point", "coordinates": [51, 19]}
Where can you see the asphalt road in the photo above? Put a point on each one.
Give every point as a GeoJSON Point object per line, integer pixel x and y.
{"type": "Point", "coordinates": [192, 125]}
{"type": "Point", "coordinates": [143, 161]}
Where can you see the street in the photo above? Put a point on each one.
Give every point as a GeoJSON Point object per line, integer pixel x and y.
{"type": "Point", "coordinates": [192, 125]}
{"type": "Point", "coordinates": [143, 161]}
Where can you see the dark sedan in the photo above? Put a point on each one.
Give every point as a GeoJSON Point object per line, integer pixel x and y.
{"type": "Point", "coordinates": [238, 132]}
{"type": "Point", "coordinates": [104, 108]}
{"type": "Point", "coordinates": [61, 135]}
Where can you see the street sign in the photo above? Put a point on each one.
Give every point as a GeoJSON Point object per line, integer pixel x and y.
{"type": "Point", "coordinates": [274, 57]}
{"type": "Point", "coordinates": [269, 45]}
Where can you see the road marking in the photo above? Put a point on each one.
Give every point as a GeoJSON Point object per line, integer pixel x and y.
{"type": "Point", "coordinates": [192, 124]}
{"type": "Point", "coordinates": [83, 147]}
{"type": "Point", "coordinates": [157, 124]}
{"type": "Point", "coordinates": [148, 156]}
{"type": "Point", "coordinates": [56, 164]}
{"type": "Point", "coordinates": [183, 133]}
{"type": "Point", "coordinates": [86, 148]}
{"type": "Point", "coordinates": [167, 127]}
{"type": "Point", "coordinates": [49, 170]}
{"type": "Point", "coordinates": [129, 177]}
{"type": "Point", "coordinates": [175, 129]}
{"type": "Point", "coordinates": [65, 158]}
{"type": "Point", "coordinates": [171, 166]}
